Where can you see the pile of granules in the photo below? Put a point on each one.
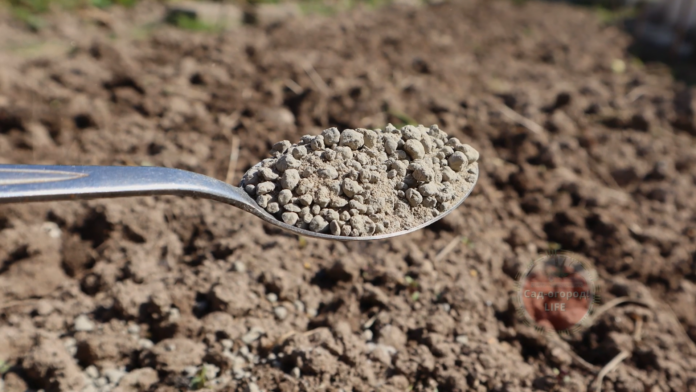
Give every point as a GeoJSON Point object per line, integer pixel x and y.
{"type": "Point", "coordinates": [361, 182]}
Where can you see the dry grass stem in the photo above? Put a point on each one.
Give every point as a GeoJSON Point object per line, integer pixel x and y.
{"type": "Point", "coordinates": [608, 368]}
{"type": "Point", "coordinates": [234, 157]}
{"type": "Point", "coordinates": [522, 120]}
{"type": "Point", "coordinates": [447, 249]}
{"type": "Point", "coordinates": [316, 79]}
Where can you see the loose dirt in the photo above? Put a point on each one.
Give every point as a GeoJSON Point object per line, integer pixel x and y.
{"type": "Point", "coordinates": [138, 294]}
{"type": "Point", "coordinates": [362, 182]}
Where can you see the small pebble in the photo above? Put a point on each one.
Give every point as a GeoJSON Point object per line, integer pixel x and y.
{"type": "Point", "coordinates": [457, 161]}
{"type": "Point", "coordinates": [352, 139]}
{"type": "Point", "coordinates": [414, 198]}
{"type": "Point", "coordinates": [133, 329]}
{"type": "Point", "coordinates": [331, 136]}
{"type": "Point", "coordinates": [253, 335]}
{"type": "Point", "coordinates": [239, 266]}
{"type": "Point", "coordinates": [265, 187]}
{"type": "Point", "coordinates": [290, 218]}
{"type": "Point", "coordinates": [281, 146]}
{"type": "Point", "coordinates": [318, 224]}
{"type": "Point", "coordinates": [415, 149]}
{"type": "Point", "coordinates": [268, 174]}
{"type": "Point", "coordinates": [284, 196]}
{"type": "Point", "coordinates": [299, 152]}
{"type": "Point", "coordinates": [280, 312]}
{"type": "Point", "coordinates": [92, 372]}
{"type": "Point", "coordinates": [263, 200]}
{"type": "Point", "coordinates": [335, 228]}
{"type": "Point", "coordinates": [227, 344]}
{"type": "Point", "coordinates": [113, 375]}
{"type": "Point", "coordinates": [291, 208]}
{"type": "Point", "coordinates": [211, 371]}
{"type": "Point", "coordinates": [83, 323]}
{"type": "Point", "coordinates": [273, 208]}
{"type": "Point", "coordinates": [44, 307]}
{"type": "Point", "coordinates": [145, 344]}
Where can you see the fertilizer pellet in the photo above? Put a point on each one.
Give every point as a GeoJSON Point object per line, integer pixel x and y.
{"type": "Point", "coordinates": [362, 182]}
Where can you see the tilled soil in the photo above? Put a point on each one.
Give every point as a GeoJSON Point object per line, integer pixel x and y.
{"type": "Point", "coordinates": [141, 292]}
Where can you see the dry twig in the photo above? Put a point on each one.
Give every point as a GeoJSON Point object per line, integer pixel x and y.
{"type": "Point", "coordinates": [616, 302]}
{"type": "Point", "coordinates": [17, 303]}
{"type": "Point", "coordinates": [608, 368]}
{"type": "Point", "coordinates": [578, 360]}
{"type": "Point", "coordinates": [234, 156]}
{"type": "Point", "coordinates": [316, 78]}
{"type": "Point", "coordinates": [447, 249]}
{"type": "Point", "coordinates": [681, 331]}
{"type": "Point", "coordinates": [524, 121]}
{"type": "Point", "coordinates": [293, 86]}
{"type": "Point", "coordinates": [637, 333]}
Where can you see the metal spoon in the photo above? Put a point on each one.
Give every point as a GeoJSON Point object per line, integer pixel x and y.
{"type": "Point", "coordinates": [32, 183]}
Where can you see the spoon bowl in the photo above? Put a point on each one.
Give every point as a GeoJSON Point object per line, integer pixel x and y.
{"type": "Point", "coordinates": [35, 183]}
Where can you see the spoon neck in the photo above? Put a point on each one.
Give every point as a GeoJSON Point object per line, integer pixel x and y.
{"type": "Point", "coordinates": [30, 183]}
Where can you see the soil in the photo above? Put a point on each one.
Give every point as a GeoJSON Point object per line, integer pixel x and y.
{"type": "Point", "coordinates": [603, 166]}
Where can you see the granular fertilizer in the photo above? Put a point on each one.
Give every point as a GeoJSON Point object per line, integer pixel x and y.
{"type": "Point", "coordinates": [361, 182]}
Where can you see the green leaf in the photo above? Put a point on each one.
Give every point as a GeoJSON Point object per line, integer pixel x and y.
{"type": "Point", "coordinates": [101, 3]}
{"type": "Point", "coordinates": [199, 380]}
{"type": "Point", "coordinates": [4, 367]}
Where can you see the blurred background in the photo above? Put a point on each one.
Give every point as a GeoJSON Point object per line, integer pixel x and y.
{"type": "Point", "coordinates": [584, 113]}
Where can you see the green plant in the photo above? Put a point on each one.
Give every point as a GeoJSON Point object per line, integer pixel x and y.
{"type": "Point", "coordinates": [403, 118]}
{"type": "Point", "coordinates": [4, 367]}
{"type": "Point", "coordinates": [609, 16]}
{"type": "Point", "coordinates": [30, 11]}
{"type": "Point", "coordinates": [199, 380]}
{"type": "Point", "coordinates": [189, 22]}
{"type": "Point", "coordinates": [466, 241]}
{"type": "Point", "coordinates": [302, 241]}
{"type": "Point", "coordinates": [412, 287]}
{"type": "Point", "coordinates": [31, 20]}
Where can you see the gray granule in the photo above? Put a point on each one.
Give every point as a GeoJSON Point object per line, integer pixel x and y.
{"type": "Point", "coordinates": [335, 228]}
{"type": "Point", "coordinates": [265, 187]}
{"type": "Point", "coordinates": [290, 179]}
{"type": "Point", "coordinates": [290, 218]}
{"type": "Point", "coordinates": [457, 161]}
{"type": "Point", "coordinates": [331, 136]}
{"type": "Point", "coordinates": [361, 182]}
{"type": "Point", "coordinates": [299, 152]}
{"type": "Point", "coordinates": [284, 196]}
{"type": "Point", "coordinates": [273, 208]}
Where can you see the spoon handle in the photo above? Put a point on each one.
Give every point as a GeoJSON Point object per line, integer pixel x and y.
{"type": "Point", "coordinates": [29, 183]}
